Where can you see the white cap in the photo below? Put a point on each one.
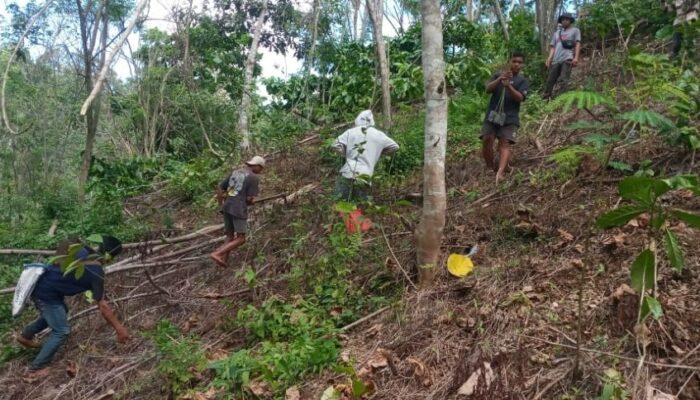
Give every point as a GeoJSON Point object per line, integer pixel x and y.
{"type": "Point", "coordinates": [257, 160]}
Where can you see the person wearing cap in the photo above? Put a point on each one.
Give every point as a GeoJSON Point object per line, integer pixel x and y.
{"type": "Point", "coordinates": [564, 52]}
{"type": "Point", "coordinates": [235, 194]}
{"type": "Point", "coordinates": [49, 298]}
{"type": "Point", "coordinates": [362, 146]}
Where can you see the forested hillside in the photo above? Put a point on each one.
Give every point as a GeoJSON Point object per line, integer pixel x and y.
{"type": "Point", "coordinates": [569, 271]}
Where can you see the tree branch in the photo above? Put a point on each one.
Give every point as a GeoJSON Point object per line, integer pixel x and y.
{"type": "Point", "coordinates": [105, 68]}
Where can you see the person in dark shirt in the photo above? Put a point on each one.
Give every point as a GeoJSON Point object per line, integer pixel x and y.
{"type": "Point", "coordinates": [49, 297]}
{"type": "Point", "coordinates": [235, 194]}
{"type": "Point", "coordinates": [508, 89]}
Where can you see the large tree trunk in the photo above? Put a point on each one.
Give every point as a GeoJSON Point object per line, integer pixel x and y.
{"type": "Point", "coordinates": [470, 10]}
{"type": "Point", "coordinates": [249, 81]}
{"type": "Point", "coordinates": [432, 223]}
{"type": "Point", "coordinates": [376, 13]}
{"type": "Point", "coordinates": [545, 14]}
{"type": "Point", "coordinates": [501, 20]}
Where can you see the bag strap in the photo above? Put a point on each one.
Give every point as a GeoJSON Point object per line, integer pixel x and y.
{"type": "Point", "coordinates": [501, 101]}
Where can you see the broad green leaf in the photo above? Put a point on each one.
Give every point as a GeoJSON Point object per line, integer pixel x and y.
{"type": "Point", "coordinates": [651, 306]}
{"type": "Point", "coordinates": [330, 394]}
{"type": "Point", "coordinates": [94, 238]}
{"type": "Point", "coordinates": [690, 219]}
{"type": "Point", "coordinates": [643, 271]}
{"type": "Point", "coordinates": [71, 256]}
{"type": "Point", "coordinates": [345, 207]}
{"type": "Point", "coordinates": [619, 216]}
{"type": "Point", "coordinates": [608, 392]}
{"type": "Point", "coordinates": [403, 203]}
{"type": "Point", "coordinates": [657, 221]}
{"type": "Point", "coordinates": [76, 267]}
{"type": "Point", "coordinates": [358, 388]}
{"type": "Point", "coordinates": [638, 188]}
{"type": "Point", "coordinates": [682, 182]}
{"type": "Point", "coordinates": [673, 251]}
{"type": "Point", "coordinates": [694, 142]}
{"type": "Point", "coordinates": [664, 33]}
{"type": "Point", "coordinates": [56, 260]}
{"type": "Point", "coordinates": [620, 166]}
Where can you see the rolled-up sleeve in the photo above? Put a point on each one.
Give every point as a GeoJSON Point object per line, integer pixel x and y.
{"type": "Point", "coordinates": [390, 146]}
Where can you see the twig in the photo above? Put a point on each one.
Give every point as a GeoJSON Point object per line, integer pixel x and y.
{"type": "Point", "coordinates": [678, 395]}
{"type": "Point", "coordinates": [621, 357]}
{"type": "Point", "coordinates": [548, 386]}
{"type": "Point", "coordinates": [118, 372]}
{"type": "Point", "coordinates": [154, 284]}
{"type": "Point", "coordinates": [396, 260]}
{"type": "Point", "coordinates": [364, 319]}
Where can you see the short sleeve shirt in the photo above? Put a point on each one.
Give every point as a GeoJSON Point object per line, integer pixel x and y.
{"type": "Point", "coordinates": [53, 286]}
{"type": "Point", "coordinates": [560, 53]}
{"type": "Point", "coordinates": [241, 184]}
{"type": "Point", "coordinates": [510, 106]}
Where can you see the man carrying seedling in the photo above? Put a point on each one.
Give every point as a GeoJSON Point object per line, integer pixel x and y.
{"type": "Point", "coordinates": [235, 194]}
{"type": "Point", "coordinates": [564, 52]}
{"type": "Point", "coordinates": [508, 89]}
{"type": "Point", "coordinates": [49, 297]}
{"type": "Point", "coordinates": [362, 146]}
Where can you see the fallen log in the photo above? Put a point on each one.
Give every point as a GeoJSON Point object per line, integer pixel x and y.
{"type": "Point", "coordinates": [179, 239]}
{"type": "Point", "coordinates": [26, 252]}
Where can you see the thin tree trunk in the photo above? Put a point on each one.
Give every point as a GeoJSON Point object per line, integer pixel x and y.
{"type": "Point", "coordinates": [377, 15]}
{"type": "Point", "coordinates": [545, 14]}
{"type": "Point", "coordinates": [107, 61]}
{"type": "Point", "coordinates": [356, 11]}
{"type": "Point", "coordinates": [501, 19]}
{"type": "Point", "coordinates": [470, 10]}
{"type": "Point", "coordinates": [432, 223]}
{"type": "Point", "coordinates": [92, 111]}
{"type": "Point", "coordinates": [311, 58]}
{"type": "Point", "coordinates": [248, 82]}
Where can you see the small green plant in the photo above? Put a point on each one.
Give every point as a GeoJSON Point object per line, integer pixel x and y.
{"type": "Point", "coordinates": [644, 195]}
{"type": "Point", "coordinates": [181, 358]}
{"type": "Point", "coordinates": [613, 386]}
{"type": "Point", "coordinates": [288, 340]}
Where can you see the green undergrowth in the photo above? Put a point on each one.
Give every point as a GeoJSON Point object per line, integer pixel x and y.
{"type": "Point", "coordinates": [334, 279]}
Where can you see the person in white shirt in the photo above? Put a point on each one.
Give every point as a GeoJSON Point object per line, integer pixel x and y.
{"type": "Point", "coordinates": [362, 146]}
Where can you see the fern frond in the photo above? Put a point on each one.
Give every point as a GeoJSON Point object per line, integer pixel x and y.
{"type": "Point", "coordinates": [580, 99]}
{"type": "Point", "coordinates": [600, 140]}
{"type": "Point", "coordinates": [671, 90]}
{"type": "Point", "coordinates": [649, 118]}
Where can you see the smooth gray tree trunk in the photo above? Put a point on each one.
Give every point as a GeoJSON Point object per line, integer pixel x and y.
{"type": "Point", "coordinates": [430, 229]}
{"type": "Point", "coordinates": [249, 81]}
{"type": "Point", "coordinates": [375, 8]}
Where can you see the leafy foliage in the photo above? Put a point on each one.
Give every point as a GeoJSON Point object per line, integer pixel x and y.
{"type": "Point", "coordinates": [181, 358]}
{"type": "Point", "coordinates": [645, 194]}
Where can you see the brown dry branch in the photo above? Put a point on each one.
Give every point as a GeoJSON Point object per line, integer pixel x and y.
{"type": "Point", "coordinates": [619, 356]}
{"type": "Point", "coordinates": [396, 260]}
